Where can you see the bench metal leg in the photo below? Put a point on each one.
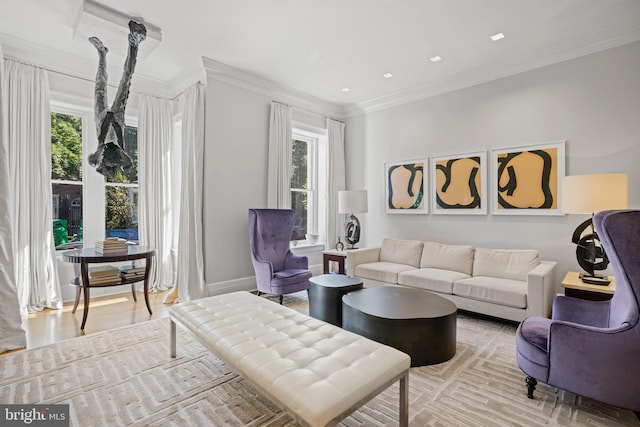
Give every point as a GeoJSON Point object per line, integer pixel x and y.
{"type": "Point", "coordinates": [404, 400]}
{"type": "Point", "coordinates": [172, 343]}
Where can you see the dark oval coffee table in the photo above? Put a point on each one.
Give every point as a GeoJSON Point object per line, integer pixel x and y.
{"type": "Point", "coordinates": [419, 323]}
{"type": "Point", "coordinates": [325, 296]}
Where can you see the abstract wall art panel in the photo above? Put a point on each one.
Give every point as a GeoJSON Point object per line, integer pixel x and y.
{"type": "Point", "coordinates": [459, 183]}
{"type": "Point", "coordinates": [406, 188]}
{"type": "Point", "coordinates": [527, 180]}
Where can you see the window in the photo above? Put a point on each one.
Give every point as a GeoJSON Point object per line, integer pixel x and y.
{"type": "Point", "coordinates": [304, 191]}
{"type": "Point", "coordinates": [121, 194]}
{"type": "Point", "coordinates": [66, 177]}
{"type": "Point", "coordinates": [89, 206]}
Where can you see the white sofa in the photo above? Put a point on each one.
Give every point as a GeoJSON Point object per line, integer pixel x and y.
{"type": "Point", "coordinates": [506, 283]}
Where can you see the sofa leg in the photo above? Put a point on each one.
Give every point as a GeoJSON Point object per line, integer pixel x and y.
{"type": "Point", "coordinates": [281, 297]}
{"type": "Point", "coordinates": [259, 293]}
{"type": "Point", "coordinates": [531, 385]}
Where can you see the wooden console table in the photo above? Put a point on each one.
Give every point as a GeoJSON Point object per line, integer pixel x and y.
{"type": "Point", "coordinates": [87, 256]}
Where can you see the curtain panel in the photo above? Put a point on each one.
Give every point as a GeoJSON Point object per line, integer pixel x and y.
{"type": "Point", "coordinates": [13, 336]}
{"type": "Point", "coordinates": [336, 180]}
{"type": "Point", "coordinates": [190, 265]}
{"type": "Point", "coordinates": [279, 169]}
{"type": "Point", "coordinates": [155, 142]}
{"type": "Point", "coordinates": [28, 123]}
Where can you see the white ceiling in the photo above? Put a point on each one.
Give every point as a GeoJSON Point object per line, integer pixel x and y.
{"type": "Point", "coordinates": [318, 47]}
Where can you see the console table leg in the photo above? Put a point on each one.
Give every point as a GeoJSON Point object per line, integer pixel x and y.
{"type": "Point", "coordinates": [85, 309]}
{"type": "Point", "coordinates": [84, 270]}
{"type": "Point", "coordinates": [133, 292]}
{"type": "Point", "coordinates": [146, 295]}
{"type": "Point", "coordinates": [75, 304]}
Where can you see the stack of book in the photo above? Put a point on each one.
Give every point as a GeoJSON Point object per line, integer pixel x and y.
{"type": "Point", "coordinates": [104, 275]}
{"type": "Point", "coordinates": [111, 246]}
{"type": "Point", "coordinates": [130, 272]}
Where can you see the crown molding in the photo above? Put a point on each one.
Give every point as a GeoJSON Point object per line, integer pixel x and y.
{"type": "Point", "coordinates": [58, 61]}
{"type": "Point", "coordinates": [476, 76]}
{"type": "Point", "coordinates": [246, 80]}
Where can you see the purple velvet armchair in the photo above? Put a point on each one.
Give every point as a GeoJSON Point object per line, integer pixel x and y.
{"type": "Point", "coordinates": [592, 348]}
{"type": "Point", "coordinates": [278, 270]}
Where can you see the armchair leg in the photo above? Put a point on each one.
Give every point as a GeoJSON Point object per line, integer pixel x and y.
{"type": "Point", "coordinates": [531, 385]}
{"type": "Point", "coordinates": [281, 297]}
{"type": "Point", "coordinates": [259, 293]}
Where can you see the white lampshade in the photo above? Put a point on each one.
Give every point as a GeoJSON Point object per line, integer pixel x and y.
{"type": "Point", "coordinates": [352, 202]}
{"type": "Point", "coordinates": [588, 194]}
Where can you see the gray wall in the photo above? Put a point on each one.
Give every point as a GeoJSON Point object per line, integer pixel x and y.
{"type": "Point", "coordinates": [592, 102]}
{"type": "Point", "coordinates": [235, 177]}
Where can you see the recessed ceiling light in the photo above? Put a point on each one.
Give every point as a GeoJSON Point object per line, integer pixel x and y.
{"type": "Point", "coordinates": [497, 37]}
{"type": "Point", "coordinates": [345, 89]}
{"type": "Point", "coordinates": [387, 75]}
{"type": "Point", "coordinates": [435, 59]}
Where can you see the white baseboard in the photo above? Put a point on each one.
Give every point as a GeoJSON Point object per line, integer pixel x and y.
{"type": "Point", "coordinates": [244, 283]}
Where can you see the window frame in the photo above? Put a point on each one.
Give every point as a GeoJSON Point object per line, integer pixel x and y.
{"type": "Point", "coordinates": [94, 203]}
{"type": "Point", "coordinates": [312, 141]}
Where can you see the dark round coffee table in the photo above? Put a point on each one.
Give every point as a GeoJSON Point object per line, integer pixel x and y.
{"type": "Point", "coordinates": [325, 296]}
{"type": "Point", "coordinates": [419, 323]}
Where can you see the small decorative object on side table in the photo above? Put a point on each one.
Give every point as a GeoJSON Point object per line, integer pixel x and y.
{"type": "Point", "coordinates": [574, 287]}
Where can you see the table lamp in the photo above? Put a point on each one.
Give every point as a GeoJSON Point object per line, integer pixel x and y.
{"type": "Point", "coordinates": [352, 202]}
{"type": "Point", "coordinates": [588, 194]}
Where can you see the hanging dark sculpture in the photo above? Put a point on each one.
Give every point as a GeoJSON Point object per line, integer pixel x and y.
{"type": "Point", "coordinates": [110, 157]}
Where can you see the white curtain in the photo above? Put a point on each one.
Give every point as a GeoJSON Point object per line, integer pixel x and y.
{"type": "Point", "coordinates": [155, 142]}
{"type": "Point", "coordinates": [279, 170]}
{"type": "Point", "coordinates": [336, 180]}
{"type": "Point", "coordinates": [190, 264]}
{"type": "Point", "coordinates": [29, 137]}
{"type": "Point", "coordinates": [13, 336]}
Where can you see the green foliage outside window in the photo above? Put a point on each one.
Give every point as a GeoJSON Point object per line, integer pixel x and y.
{"type": "Point", "coordinates": [66, 147]}
{"type": "Point", "coordinates": [119, 214]}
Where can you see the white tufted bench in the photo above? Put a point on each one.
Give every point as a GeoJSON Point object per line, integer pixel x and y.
{"type": "Point", "coordinates": [317, 372]}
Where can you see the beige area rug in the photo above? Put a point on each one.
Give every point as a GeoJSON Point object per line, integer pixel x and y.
{"type": "Point", "coordinates": [126, 377]}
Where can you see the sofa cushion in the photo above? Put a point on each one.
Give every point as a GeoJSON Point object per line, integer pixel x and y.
{"type": "Point", "coordinates": [401, 251]}
{"type": "Point", "coordinates": [431, 279]}
{"type": "Point", "coordinates": [447, 257]}
{"type": "Point", "coordinates": [512, 293]}
{"type": "Point", "coordinates": [512, 264]}
{"type": "Point", "coordinates": [381, 271]}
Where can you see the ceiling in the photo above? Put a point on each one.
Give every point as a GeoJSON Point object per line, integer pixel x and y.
{"type": "Point", "coordinates": [319, 47]}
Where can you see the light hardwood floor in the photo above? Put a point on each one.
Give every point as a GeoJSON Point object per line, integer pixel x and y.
{"type": "Point", "coordinates": [107, 312]}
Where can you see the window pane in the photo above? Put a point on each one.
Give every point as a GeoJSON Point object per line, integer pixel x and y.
{"type": "Point", "coordinates": [122, 212]}
{"type": "Point", "coordinates": [66, 147]}
{"type": "Point", "coordinates": [299, 203]}
{"type": "Point", "coordinates": [299, 170]}
{"type": "Point", "coordinates": [67, 213]}
{"type": "Point", "coordinates": [131, 148]}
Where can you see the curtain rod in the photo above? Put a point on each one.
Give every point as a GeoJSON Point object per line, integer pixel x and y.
{"type": "Point", "coordinates": [66, 74]}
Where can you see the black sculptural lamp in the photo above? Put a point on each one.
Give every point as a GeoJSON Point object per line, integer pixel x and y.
{"type": "Point", "coordinates": [350, 203]}
{"type": "Point", "coordinates": [588, 194]}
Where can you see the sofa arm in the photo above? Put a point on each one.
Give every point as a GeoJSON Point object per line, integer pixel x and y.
{"type": "Point", "coordinates": [356, 257]}
{"type": "Point", "coordinates": [541, 289]}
